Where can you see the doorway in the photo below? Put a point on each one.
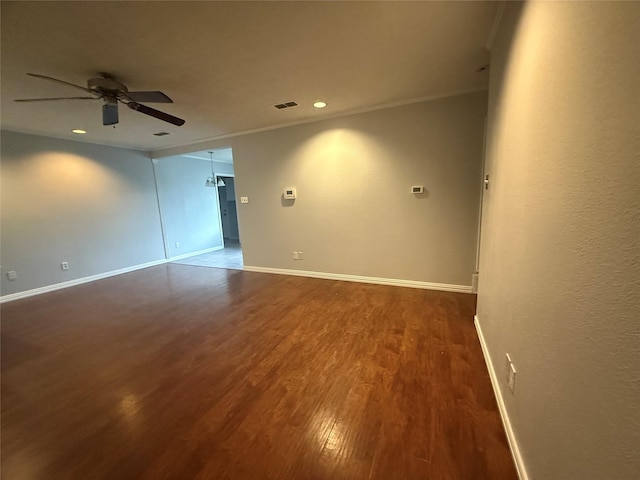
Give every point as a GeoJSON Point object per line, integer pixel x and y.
{"type": "Point", "coordinates": [231, 254]}
{"type": "Point", "coordinates": [228, 210]}
{"type": "Point", "coordinates": [218, 192]}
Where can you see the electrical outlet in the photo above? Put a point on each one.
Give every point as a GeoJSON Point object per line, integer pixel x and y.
{"type": "Point", "coordinates": [64, 265]}
{"type": "Point", "coordinates": [12, 275]}
{"type": "Point", "coordinates": [299, 255]}
{"type": "Point", "coordinates": [177, 244]}
{"type": "Point", "coordinates": [295, 256]}
{"type": "Point", "coordinates": [244, 199]}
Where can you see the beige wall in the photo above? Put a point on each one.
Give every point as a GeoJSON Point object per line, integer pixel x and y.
{"type": "Point", "coordinates": [96, 206]}
{"type": "Point", "coordinates": [190, 216]}
{"type": "Point", "coordinates": [354, 214]}
{"type": "Point", "coordinates": [90, 205]}
{"type": "Point", "coordinates": [559, 266]}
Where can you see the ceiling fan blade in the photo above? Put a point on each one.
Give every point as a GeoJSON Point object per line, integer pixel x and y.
{"type": "Point", "coordinates": [56, 98]}
{"type": "Point", "coordinates": [148, 97]}
{"type": "Point", "coordinates": [60, 81]}
{"type": "Point", "coordinates": [155, 113]}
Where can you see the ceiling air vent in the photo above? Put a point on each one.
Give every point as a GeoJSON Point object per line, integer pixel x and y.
{"type": "Point", "coordinates": [161, 134]}
{"type": "Point", "coordinates": [280, 106]}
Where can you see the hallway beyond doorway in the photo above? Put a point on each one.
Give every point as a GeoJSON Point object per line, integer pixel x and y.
{"type": "Point", "coordinates": [229, 257]}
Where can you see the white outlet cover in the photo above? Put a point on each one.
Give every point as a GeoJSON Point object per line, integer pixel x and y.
{"type": "Point", "coordinates": [244, 199]}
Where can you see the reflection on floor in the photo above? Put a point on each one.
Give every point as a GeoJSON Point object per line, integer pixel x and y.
{"type": "Point", "coordinates": [229, 257]}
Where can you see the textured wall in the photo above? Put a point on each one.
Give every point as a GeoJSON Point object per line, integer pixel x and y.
{"type": "Point", "coordinates": [354, 213]}
{"type": "Point", "coordinates": [90, 205]}
{"type": "Point", "coordinates": [559, 265]}
{"type": "Point", "coordinates": [189, 209]}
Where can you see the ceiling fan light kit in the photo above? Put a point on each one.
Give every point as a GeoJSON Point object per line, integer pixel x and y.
{"type": "Point", "coordinates": [211, 181]}
{"type": "Point", "coordinates": [110, 111]}
{"type": "Point", "coordinates": [112, 92]}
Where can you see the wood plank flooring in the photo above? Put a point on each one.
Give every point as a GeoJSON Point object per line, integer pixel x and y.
{"type": "Point", "coordinates": [183, 372]}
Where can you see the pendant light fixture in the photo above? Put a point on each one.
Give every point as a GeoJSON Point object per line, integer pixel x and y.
{"type": "Point", "coordinates": [211, 181]}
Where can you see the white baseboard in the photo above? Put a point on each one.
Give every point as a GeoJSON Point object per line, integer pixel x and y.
{"type": "Point", "coordinates": [78, 281]}
{"type": "Point", "coordinates": [357, 278]}
{"type": "Point", "coordinates": [511, 438]}
{"type": "Point", "coordinates": [92, 278]}
{"type": "Point", "coordinates": [193, 254]}
{"type": "Point", "coordinates": [279, 271]}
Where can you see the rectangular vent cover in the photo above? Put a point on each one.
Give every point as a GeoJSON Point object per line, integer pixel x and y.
{"type": "Point", "coordinates": [161, 134]}
{"type": "Point", "coordinates": [280, 106]}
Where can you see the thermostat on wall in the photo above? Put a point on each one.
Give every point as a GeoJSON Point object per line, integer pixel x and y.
{"type": "Point", "coordinates": [289, 193]}
{"type": "Point", "coordinates": [417, 189]}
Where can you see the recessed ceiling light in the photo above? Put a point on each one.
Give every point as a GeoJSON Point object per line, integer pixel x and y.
{"type": "Point", "coordinates": [319, 104]}
{"type": "Point", "coordinates": [78, 131]}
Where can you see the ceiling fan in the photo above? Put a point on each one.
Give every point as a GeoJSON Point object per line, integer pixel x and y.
{"type": "Point", "coordinates": [107, 88]}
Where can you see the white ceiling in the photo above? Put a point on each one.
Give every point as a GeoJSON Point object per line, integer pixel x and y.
{"type": "Point", "coordinates": [225, 64]}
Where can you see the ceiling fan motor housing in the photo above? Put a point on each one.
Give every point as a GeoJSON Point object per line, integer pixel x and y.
{"type": "Point", "coordinates": [106, 84]}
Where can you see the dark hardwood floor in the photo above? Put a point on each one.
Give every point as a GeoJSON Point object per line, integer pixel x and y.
{"type": "Point", "coordinates": [183, 372]}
